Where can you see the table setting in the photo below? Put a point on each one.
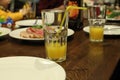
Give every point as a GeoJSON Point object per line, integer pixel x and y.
{"type": "Point", "coordinates": [23, 25]}
{"type": "Point", "coordinates": [40, 66]}
{"type": "Point", "coordinates": [81, 58]}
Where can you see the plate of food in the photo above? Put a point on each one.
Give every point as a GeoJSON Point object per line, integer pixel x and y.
{"type": "Point", "coordinates": [113, 15]}
{"type": "Point", "coordinates": [29, 22]}
{"type": "Point", "coordinates": [108, 29]}
{"type": "Point", "coordinates": [30, 68]}
{"type": "Point", "coordinates": [4, 31]}
{"type": "Point", "coordinates": [31, 33]}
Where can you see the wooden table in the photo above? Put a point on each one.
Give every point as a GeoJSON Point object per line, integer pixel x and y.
{"type": "Point", "coordinates": [85, 60]}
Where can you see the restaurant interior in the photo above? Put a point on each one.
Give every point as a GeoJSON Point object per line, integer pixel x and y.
{"type": "Point", "coordinates": [32, 48]}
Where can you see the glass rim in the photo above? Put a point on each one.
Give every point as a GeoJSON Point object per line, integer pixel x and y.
{"type": "Point", "coordinates": [53, 10]}
{"type": "Point", "coordinates": [97, 6]}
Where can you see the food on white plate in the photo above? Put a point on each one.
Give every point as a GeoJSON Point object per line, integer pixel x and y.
{"type": "Point", "coordinates": [32, 32]}
{"type": "Point", "coordinates": [113, 14]}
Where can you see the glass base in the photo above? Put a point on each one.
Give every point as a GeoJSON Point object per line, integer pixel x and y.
{"type": "Point", "coordinates": [57, 60]}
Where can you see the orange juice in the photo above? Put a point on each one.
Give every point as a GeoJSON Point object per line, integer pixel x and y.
{"type": "Point", "coordinates": [56, 51]}
{"type": "Point", "coordinates": [96, 33]}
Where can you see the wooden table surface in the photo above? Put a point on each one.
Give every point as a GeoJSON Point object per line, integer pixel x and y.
{"type": "Point", "coordinates": [85, 60]}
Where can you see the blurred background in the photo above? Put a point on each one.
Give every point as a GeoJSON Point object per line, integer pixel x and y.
{"type": "Point", "coordinates": [76, 17]}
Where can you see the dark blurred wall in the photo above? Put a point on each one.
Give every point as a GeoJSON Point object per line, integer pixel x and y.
{"type": "Point", "coordinates": [18, 5]}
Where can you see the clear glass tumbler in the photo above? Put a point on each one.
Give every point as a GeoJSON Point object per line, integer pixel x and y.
{"type": "Point", "coordinates": [55, 23]}
{"type": "Point", "coordinates": [96, 18]}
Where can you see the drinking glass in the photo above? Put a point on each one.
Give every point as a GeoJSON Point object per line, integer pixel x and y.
{"type": "Point", "coordinates": [55, 23]}
{"type": "Point", "coordinates": [96, 18]}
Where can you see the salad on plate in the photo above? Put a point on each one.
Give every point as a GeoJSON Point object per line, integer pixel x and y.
{"type": "Point", "coordinates": [112, 14]}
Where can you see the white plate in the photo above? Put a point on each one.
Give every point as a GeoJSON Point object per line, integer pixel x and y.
{"type": "Point", "coordinates": [107, 32]}
{"type": "Point", "coordinates": [16, 34]}
{"type": "Point", "coordinates": [4, 31]}
{"type": "Point", "coordinates": [30, 68]}
{"type": "Point", "coordinates": [28, 22]}
{"type": "Point", "coordinates": [112, 19]}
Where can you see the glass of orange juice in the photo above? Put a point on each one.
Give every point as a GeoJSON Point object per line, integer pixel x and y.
{"type": "Point", "coordinates": [96, 33]}
{"type": "Point", "coordinates": [96, 18]}
{"type": "Point", "coordinates": [55, 34]}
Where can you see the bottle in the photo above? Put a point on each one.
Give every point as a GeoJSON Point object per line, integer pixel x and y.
{"type": "Point", "coordinates": [75, 21]}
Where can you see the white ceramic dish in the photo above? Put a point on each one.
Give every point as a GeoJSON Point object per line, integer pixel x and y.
{"type": "Point", "coordinates": [28, 22]}
{"type": "Point", "coordinates": [30, 68]}
{"type": "Point", "coordinates": [16, 34]}
{"type": "Point", "coordinates": [4, 31]}
{"type": "Point", "coordinates": [108, 30]}
{"type": "Point", "coordinates": [112, 19]}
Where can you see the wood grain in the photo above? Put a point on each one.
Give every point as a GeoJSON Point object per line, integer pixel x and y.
{"type": "Point", "coordinates": [85, 60]}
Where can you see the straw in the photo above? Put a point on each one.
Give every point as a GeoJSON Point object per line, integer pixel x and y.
{"type": "Point", "coordinates": [64, 16]}
{"type": "Point", "coordinates": [67, 9]}
{"type": "Point", "coordinates": [76, 7]}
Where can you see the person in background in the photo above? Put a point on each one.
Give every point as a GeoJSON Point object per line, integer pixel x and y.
{"type": "Point", "coordinates": [58, 4]}
{"type": "Point", "coordinates": [46, 4]}
{"type": "Point", "coordinates": [5, 13]}
{"type": "Point", "coordinates": [18, 5]}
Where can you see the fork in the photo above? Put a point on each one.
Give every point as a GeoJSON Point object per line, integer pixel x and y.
{"type": "Point", "coordinates": [35, 23]}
